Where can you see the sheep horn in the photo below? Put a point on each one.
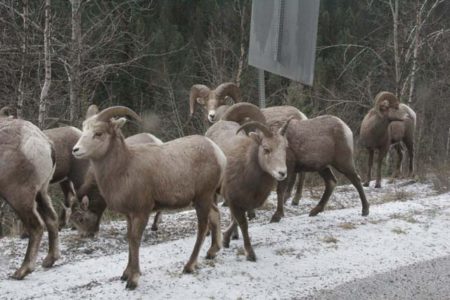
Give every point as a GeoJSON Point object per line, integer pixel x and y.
{"type": "Point", "coordinates": [283, 129]}
{"type": "Point", "coordinates": [5, 111]}
{"type": "Point", "coordinates": [391, 98]}
{"type": "Point", "coordinates": [239, 112]}
{"type": "Point", "coordinates": [117, 111]}
{"type": "Point", "coordinates": [197, 91]}
{"type": "Point", "coordinates": [258, 125]}
{"type": "Point", "coordinates": [228, 89]}
{"type": "Point", "coordinates": [92, 110]}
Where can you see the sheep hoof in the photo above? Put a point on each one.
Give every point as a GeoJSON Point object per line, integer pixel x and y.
{"type": "Point", "coordinates": [295, 202]}
{"type": "Point", "coordinates": [365, 212]}
{"type": "Point", "coordinates": [251, 214]}
{"type": "Point", "coordinates": [234, 236]}
{"type": "Point", "coordinates": [315, 211]}
{"type": "Point", "coordinates": [154, 228]}
{"type": "Point", "coordinates": [188, 269]}
{"type": "Point", "coordinates": [21, 273]}
{"type": "Point", "coordinates": [49, 260]}
{"type": "Point", "coordinates": [275, 218]}
{"type": "Point", "coordinates": [251, 257]}
{"type": "Point", "coordinates": [378, 185]}
{"type": "Point", "coordinates": [366, 184]}
{"type": "Point", "coordinates": [131, 285]}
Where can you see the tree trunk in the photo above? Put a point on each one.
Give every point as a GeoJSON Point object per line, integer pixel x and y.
{"type": "Point", "coordinates": [23, 64]}
{"type": "Point", "coordinates": [47, 65]}
{"type": "Point", "coordinates": [242, 42]}
{"type": "Point", "coordinates": [415, 53]}
{"type": "Point", "coordinates": [75, 61]}
{"type": "Point", "coordinates": [394, 10]}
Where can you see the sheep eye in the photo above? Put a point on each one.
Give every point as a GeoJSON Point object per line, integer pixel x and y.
{"type": "Point", "coordinates": [98, 134]}
{"type": "Point", "coordinates": [266, 150]}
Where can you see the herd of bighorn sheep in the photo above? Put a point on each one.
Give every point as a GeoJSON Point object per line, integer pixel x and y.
{"type": "Point", "coordinates": [245, 154]}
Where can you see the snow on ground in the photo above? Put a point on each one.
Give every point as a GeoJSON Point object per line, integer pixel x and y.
{"type": "Point", "coordinates": [408, 223]}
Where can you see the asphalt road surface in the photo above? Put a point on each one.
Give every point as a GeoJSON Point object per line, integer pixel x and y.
{"type": "Point", "coordinates": [425, 280]}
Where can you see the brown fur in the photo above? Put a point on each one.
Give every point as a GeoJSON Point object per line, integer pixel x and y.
{"type": "Point", "coordinates": [252, 162]}
{"type": "Point", "coordinates": [87, 221]}
{"type": "Point", "coordinates": [317, 144]}
{"type": "Point", "coordinates": [24, 178]}
{"type": "Point", "coordinates": [137, 179]}
{"type": "Point", "coordinates": [388, 123]}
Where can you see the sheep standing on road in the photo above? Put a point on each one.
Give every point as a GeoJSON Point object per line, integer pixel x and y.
{"type": "Point", "coordinates": [254, 163]}
{"type": "Point", "coordinates": [27, 164]}
{"type": "Point", "coordinates": [388, 123]}
{"type": "Point", "coordinates": [317, 144]}
{"type": "Point", "coordinates": [138, 179]}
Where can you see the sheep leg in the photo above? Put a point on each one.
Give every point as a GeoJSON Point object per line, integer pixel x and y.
{"type": "Point", "coordinates": [239, 215]}
{"type": "Point", "coordinates": [25, 207]}
{"type": "Point", "coordinates": [290, 186]}
{"type": "Point", "coordinates": [156, 220]}
{"type": "Point", "coordinates": [227, 235]}
{"type": "Point", "coordinates": [330, 184]}
{"type": "Point", "coordinates": [397, 171]}
{"type": "Point", "coordinates": [354, 179]}
{"type": "Point", "coordinates": [216, 234]}
{"type": "Point", "coordinates": [381, 155]}
{"type": "Point", "coordinates": [132, 271]}
{"type": "Point", "coordinates": [281, 192]}
{"type": "Point", "coordinates": [202, 209]}
{"type": "Point", "coordinates": [299, 191]}
{"type": "Point", "coordinates": [410, 148]}
{"type": "Point", "coordinates": [50, 217]}
{"type": "Point", "coordinates": [369, 171]}
{"type": "Point", "coordinates": [69, 202]}
{"type": "Point", "coordinates": [251, 214]}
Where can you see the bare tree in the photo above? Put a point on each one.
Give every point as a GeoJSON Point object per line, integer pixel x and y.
{"type": "Point", "coordinates": [75, 61]}
{"type": "Point", "coordinates": [47, 66]}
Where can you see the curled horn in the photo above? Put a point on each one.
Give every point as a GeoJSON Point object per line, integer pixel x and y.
{"type": "Point", "coordinates": [239, 113]}
{"type": "Point", "coordinates": [5, 111]}
{"type": "Point", "coordinates": [117, 111]}
{"type": "Point", "coordinates": [258, 125]}
{"type": "Point", "coordinates": [92, 110]}
{"type": "Point", "coordinates": [228, 89]}
{"type": "Point", "coordinates": [284, 128]}
{"type": "Point", "coordinates": [391, 98]}
{"type": "Point", "coordinates": [197, 91]}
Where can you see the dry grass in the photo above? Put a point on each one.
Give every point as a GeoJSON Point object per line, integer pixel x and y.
{"type": "Point", "coordinates": [347, 226]}
{"type": "Point", "coordinates": [398, 230]}
{"type": "Point", "coordinates": [330, 240]}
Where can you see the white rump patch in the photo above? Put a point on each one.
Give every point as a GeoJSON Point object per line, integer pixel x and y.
{"type": "Point", "coordinates": [348, 134]}
{"type": "Point", "coordinates": [409, 111]}
{"type": "Point", "coordinates": [157, 141]}
{"type": "Point", "coordinates": [221, 158]}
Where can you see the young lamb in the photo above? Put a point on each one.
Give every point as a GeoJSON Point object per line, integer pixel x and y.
{"type": "Point", "coordinates": [137, 179]}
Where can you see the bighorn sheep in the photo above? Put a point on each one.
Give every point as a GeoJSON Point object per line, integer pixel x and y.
{"type": "Point", "coordinates": [254, 163]}
{"type": "Point", "coordinates": [388, 123]}
{"type": "Point", "coordinates": [317, 144]}
{"type": "Point", "coordinates": [212, 99]}
{"type": "Point", "coordinates": [137, 179]}
{"type": "Point", "coordinates": [87, 219]}
{"type": "Point", "coordinates": [6, 112]}
{"type": "Point", "coordinates": [26, 167]}
{"type": "Point", "coordinates": [274, 118]}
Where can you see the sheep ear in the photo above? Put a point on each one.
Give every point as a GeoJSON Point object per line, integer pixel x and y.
{"type": "Point", "coordinates": [255, 136]}
{"type": "Point", "coordinates": [201, 101]}
{"type": "Point", "coordinates": [119, 123]}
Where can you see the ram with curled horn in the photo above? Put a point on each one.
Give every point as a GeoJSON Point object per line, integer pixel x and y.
{"type": "Point", "coordinates": [388, 123]}
{"type": "Point", "coordinates": [212, 99]}
{"type": "Point", "coordinates": [138, 179]}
